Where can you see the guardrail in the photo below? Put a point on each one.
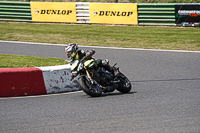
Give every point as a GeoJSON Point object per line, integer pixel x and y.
{"type": "Point", "coordinates": [148, 13]}
{"type": "Point", "coordinates": [156, 14]}
{"type": "Point", "coordinates": [82, 12]}
{"type": "Point", "coordinates": [15, 11]}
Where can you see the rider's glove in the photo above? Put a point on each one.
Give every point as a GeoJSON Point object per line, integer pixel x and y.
{"type": "Point", "coordinates": [73, 75]}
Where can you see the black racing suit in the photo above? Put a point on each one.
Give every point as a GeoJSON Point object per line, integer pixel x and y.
{"type": "Point", "coordinates": [84, 55]}
{"type": "Point", "coordinates": [79, 55]}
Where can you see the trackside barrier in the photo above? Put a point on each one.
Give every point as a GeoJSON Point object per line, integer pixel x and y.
{"type": "Point", "coordinates": [109, 13]}
{"type": "Point", "coordinates": [21, 82]}
{"type": "Point", "coordinates": [187, 14]}
{"type": "Point", "coordinates": [147, 13]}
{"type": "Point", "coordinates": [15, 11]}
{"type": "Point", "coordinates": [82, 12]}
{"type": "Point", "coordinates": [53, 12]}
{"type": "Point", "coordinates": [156, 14]}
{"type": "Point", "coordinates": [57, 79]}
{"type": "Point", "coordinates": [36, 81]}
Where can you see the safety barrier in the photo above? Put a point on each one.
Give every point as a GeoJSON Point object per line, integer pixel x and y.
{"type": "Point", "coordinates": [147, 13]}
{"type": "Point", "coordinates": [156, 14]}
{"type": "Point", "coordinates": [36, 81]}
{"type": "Point", "coordinates": [82, 12]}
{"type": "Point", "coordinates": [15, 11]}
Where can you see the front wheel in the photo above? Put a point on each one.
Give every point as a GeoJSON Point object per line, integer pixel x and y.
{"type": "Point", "coordinates": [91, 90]}
{"type": "Point", "coordinates": [124, 85]}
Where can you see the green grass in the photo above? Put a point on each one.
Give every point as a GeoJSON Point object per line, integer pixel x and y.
{"type": "Point", "coordinates": [12, 61]}
{"type": "Point", "coordinates": [172, 38]}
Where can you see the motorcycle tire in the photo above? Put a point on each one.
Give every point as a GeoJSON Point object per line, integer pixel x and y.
{"type": "Point", "coordinates": [124, 85]}
{"type": "Point", "coordinates": [84, 84]}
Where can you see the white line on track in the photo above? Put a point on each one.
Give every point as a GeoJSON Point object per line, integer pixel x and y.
{"type": "Point", "coordinates": [137, 49]}
{"type": "Point", "coordinates": [47, 95]}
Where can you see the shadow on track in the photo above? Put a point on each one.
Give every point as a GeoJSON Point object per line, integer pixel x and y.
{"type": "Point", "coordinates": [166, 80]}
{"type": "Point", "coordinates": [113, 94]}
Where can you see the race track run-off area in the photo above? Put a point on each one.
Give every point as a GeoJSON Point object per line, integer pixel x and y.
{"type": "Point", "coordinates": [165, 96]}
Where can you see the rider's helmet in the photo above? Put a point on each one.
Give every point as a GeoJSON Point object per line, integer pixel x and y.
{"type": "Point", "coordinates": [71, 51]}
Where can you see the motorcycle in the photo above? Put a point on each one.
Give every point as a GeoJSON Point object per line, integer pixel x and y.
{"type": "Point", "coordinates": [95, 80]}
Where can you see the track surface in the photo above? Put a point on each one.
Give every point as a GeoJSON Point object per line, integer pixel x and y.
{"type": "Point", "coordinates": [165, 97]}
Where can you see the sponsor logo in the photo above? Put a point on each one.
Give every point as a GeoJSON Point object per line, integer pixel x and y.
{"type": "Point", "coordinates": [188, 12]}
{"type": "Point", "coordinates": [36, 11]}
{"type": "Point", "coordinates": [94, 13]}
{"type": "Point", "coordinates": [194, 15]}
{"type": "Point", "coordinates": [112, 13]}
{"type": "Point", "coordinates": [179, 16]}
{"type": "Point", "coordinates": [56, 12]}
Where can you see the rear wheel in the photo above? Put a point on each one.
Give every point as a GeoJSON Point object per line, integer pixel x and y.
{"type": "Point", "coordinates": [91, 90]}
{"type": "Point", "coordinates": [124, 85]}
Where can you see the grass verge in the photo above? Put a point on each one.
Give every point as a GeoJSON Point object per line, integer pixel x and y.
{"type": "Point", "coordinates": [171, 38]}
{"type": "Point", "coordinates": [12, 61]}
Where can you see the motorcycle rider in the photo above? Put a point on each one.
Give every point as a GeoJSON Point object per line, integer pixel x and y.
{"type": "Point", "coordinates": [73, 53]}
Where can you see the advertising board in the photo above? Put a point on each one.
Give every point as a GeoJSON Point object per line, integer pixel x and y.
{"type": "Point", "coordinates": [108, 13]}
{"type": "Point", "coordinates": [187, 14]}
{"type": "Point", "coordinates": [53, 12]}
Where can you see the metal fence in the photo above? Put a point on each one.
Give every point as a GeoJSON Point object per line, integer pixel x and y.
{"type": "Point", "coordinates": [82, 12]}
{"type": "Point", "coordinates": [156, 14]}
{"type": "Point", "coordinates": [15, 11]}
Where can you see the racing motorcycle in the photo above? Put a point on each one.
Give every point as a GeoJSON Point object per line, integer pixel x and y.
{"type": "Point", "coordinates": [95, 80]}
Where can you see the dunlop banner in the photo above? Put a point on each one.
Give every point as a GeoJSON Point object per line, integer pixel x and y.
{"type": "Point", "coordinates": [53, 12]}
{"type": "Point", "coordinates": [113, 13]}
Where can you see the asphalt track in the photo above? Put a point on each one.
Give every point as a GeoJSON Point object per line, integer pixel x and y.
{"type": "Point", "coordinates": [165, 96]}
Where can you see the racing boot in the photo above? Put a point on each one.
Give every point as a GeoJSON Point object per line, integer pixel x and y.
{"type": "Point", "coordinates": [106, 65]}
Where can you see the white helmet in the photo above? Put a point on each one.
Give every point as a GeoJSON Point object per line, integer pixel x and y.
{"type": "Point", "coordinates": [71, 51]}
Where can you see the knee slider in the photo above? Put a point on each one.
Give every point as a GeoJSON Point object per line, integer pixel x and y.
{"type": "Point", "coordinates": [105, 62]}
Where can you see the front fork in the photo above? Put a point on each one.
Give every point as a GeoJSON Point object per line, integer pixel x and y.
{"type": "Point", "coordinates": [88, 76]}
{"type": "Point", "coordinates": [94, 85]}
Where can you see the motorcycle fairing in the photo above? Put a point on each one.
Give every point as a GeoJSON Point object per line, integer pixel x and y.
{"type": "Point", "coordinates": [90, 62]}
{"type": "Point", "coordinates": [74, 64]}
